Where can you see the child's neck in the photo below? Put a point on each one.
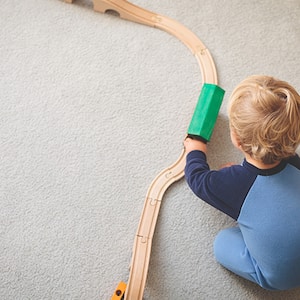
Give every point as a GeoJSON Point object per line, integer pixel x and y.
{"type": "Point", "coordinates": [258, 164]}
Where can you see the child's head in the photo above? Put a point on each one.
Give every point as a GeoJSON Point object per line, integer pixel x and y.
{"type": "Point", "coordinates": [264, 115]}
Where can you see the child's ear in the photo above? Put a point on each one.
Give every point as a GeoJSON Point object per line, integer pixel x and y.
{"type": "Point", "coordinates": [235, 139]}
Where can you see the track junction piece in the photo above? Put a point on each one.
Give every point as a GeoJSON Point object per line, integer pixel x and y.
{"type": "Point", "coordinates": [143, 239]}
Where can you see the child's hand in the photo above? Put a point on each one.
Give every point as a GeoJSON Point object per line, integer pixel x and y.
{"type": "Point", "coordinates": [191, 145]}
{"type": "Point", "coordinates": [227, 165]}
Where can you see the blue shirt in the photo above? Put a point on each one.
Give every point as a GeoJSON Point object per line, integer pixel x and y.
{"type": "Point", "coordinates": [266, 205]}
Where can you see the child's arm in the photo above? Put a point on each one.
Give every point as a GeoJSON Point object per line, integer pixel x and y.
{"type": "Point", "coordinates": [224, 189]}
{"type": "Point", "coordinates": [191, 145]}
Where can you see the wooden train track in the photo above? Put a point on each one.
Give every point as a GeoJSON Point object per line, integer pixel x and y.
{"type": "Point", "coordinates": [143, 240]}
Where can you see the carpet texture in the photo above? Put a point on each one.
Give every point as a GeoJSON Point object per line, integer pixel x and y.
{"type": "Point", "coordinates": [92, 109]}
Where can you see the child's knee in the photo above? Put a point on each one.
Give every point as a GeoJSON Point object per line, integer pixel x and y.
{"type": "Point", "coordinates": [224, 243]}
{"type": "Point", "coordinates": [220, 245]}
{"type": "Point", "coordinates": [231, 252]}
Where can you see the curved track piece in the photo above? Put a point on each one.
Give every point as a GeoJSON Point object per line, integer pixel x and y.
{"type": "Point", "coordinates": [134, 13]}
{"type": "Point", "coordinates": [143, 240]}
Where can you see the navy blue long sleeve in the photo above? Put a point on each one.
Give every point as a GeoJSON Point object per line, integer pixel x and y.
{"type": "Point", "coordinates": [224, 189]}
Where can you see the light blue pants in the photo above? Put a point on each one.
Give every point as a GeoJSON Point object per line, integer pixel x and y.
{"type": "Point", "coordinates": [231, 252]}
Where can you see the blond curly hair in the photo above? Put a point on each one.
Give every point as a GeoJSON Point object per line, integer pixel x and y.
{"type": "Point", "coordinates": [264, 114]}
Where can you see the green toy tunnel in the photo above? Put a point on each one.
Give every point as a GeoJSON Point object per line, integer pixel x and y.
{"type": "Point", "coordinates": [206, 112]}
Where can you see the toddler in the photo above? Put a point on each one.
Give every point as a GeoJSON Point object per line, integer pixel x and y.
{"type": "Point", "coordinates": [263, 193]}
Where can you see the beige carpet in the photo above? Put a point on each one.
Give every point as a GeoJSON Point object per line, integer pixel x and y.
{"type": "Point", "coordinates": [92, 108]}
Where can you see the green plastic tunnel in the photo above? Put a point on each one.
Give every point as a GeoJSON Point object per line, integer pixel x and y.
{"type": "Point", "coordinates": [206, 112]}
